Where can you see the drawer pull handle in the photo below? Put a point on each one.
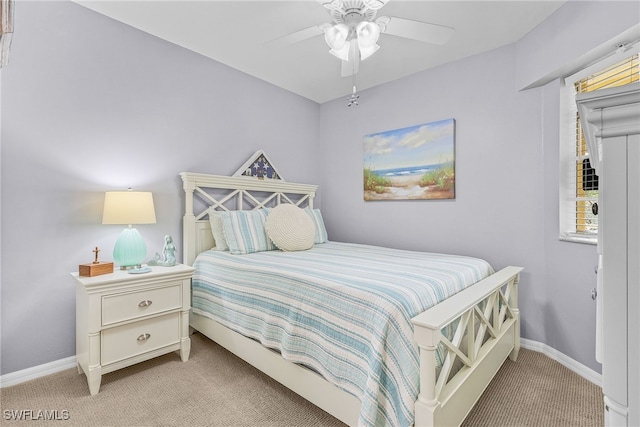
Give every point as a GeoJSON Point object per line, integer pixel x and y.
{"type": "Point", "coordinates": [144, 337]}
{"type": "Point", "coordinates": [145, 303]}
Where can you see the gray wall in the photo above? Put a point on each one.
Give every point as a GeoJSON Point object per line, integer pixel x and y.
{"type": "Point", "coordinates": [90, 105]}
{"type": "Point", "coordinates": [506, 206]}
{"type": "Point", "coordinates": [496, 214]}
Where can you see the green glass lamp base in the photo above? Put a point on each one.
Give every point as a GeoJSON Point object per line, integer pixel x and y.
{"type": "Point", "coordinates": [130, 249]}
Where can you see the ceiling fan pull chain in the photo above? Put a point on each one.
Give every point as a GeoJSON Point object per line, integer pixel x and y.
{"type": "Point", "coordinates": [353, 99]}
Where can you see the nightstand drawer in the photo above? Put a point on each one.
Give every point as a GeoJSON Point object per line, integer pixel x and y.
{"type": "Point", "coordinates": [120, 307]}
{"type": "Point", "coordinates": [130, 340]}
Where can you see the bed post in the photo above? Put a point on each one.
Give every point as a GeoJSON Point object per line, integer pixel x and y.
{"type": "Point", "coordinates": [188, 222]}
{"type": "Point", "coordinates": [427, 403]}
{"type": "Point", "coordinates": [513, 303]}
{"type": "Point", "coordinates": [493, 300]}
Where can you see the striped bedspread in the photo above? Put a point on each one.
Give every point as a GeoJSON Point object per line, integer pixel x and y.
{"type": "Point", "coordinates": [342, 309]}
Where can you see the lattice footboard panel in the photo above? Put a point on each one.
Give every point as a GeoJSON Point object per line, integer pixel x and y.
{"type": "Point", "coordinates": [471, 334]}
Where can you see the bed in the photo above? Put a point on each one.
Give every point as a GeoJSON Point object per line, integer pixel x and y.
{"type": "Point", "coordinates": [427, 365]}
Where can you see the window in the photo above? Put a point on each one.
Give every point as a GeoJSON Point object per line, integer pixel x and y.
{"type": "Point", "coordinates": [578, 182]}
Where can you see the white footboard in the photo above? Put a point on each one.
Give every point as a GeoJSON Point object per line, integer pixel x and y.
{"type": "Point", "coordinates": [487, 330]}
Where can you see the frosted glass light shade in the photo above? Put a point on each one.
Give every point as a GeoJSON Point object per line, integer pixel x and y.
{"type": "Point", "coordinates": [342, 53]}
{"type": "Point", "coordinates": [130, 249]}
{"type": "Point", "coordinates": [336, 36]}
{"type": "Point", "coordinates": [368, 33]}
{"type": "Point", "coordinates": [339, 37]}
{"type": "Point", "coordinates": [366, 52]}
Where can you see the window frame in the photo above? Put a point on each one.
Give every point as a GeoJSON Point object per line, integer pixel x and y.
{"type": "Point", "coordinates": [567, 145]}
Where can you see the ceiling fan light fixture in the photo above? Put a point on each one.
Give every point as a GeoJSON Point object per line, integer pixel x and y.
{"type": "Point", "coordinates": [367, 51]}
{"type": "Point", "coordinates": [342, 53]}
{"type": "Point", "coordinates": [336, 36]}
{"type": "Point", "coordinates": [368, 33]}
{"type": "Point", "coordinates": [374, 4]}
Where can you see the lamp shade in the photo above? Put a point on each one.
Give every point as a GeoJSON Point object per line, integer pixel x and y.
{"type": "Point", "coordinates": [128, 207]}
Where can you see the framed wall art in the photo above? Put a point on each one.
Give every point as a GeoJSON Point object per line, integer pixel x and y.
{"type": "Point", "coordinates": [413, 163]}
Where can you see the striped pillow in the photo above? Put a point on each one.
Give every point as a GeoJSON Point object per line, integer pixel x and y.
{"type": "Point", "coordinates": [318, 223]}
{"type": "Point", "coordinates": [215, 220]}
{"type": "Point", "coordinates": [245, 233]}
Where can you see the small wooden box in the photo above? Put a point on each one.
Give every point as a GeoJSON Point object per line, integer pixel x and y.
{"type": "Point", "coordinates": [95, 269]}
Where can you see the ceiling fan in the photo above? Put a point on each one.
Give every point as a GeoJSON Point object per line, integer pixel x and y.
{"type": "Point", "coordinates": [353, 33]}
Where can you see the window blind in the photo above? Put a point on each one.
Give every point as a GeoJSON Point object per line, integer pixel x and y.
{"type": "Point", "coordinates": [584, 178]}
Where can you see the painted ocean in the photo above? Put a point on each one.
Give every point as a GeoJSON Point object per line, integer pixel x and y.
{"type": "Point", "coordinates": [407, 171]}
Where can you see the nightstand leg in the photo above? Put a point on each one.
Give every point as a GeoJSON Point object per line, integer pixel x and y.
{"type": "Point", "coordinates": [94, 369]}
{"type": "Point", "coordinates": [94, 377]}
{"type": "Point", "coordinates": [185, 349]}
{"type": "Point", "coordinates": [185, 341]}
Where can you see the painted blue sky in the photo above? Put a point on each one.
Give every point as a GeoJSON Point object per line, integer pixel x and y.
{"type": "Point", "coordinates": [425, 144]}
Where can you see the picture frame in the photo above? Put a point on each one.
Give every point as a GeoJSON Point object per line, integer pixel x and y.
{"type": "Point", "coordinates": [259, 166]}
{"type": "Point", "coordinates": [412, 163]}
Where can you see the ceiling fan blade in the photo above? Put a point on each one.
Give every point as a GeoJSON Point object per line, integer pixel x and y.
{"type": "Point", "coordinates": [351, 67]}
{"type": "Point", "coordinates": [417, 30]}
{"type": "Point", "coordinates": [294, 37]}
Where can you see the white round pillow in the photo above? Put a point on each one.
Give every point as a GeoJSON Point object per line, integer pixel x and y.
{"type": "Point", "coordinates": [290, 228]}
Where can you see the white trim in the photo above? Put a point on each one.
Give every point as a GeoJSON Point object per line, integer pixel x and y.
{"type": "Point", "coordinates": [604, 50]}
{"type": "Point", "coordinates": [617, 56]}
{"type": "Point", "coordinates": [577, 367]}
{"type": "Point", "coordinates": [579, 238]}
{"type": "Point", "coordinates": [34, 372]}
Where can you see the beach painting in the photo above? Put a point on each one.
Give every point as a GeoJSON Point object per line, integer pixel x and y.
{"type": "Point", "coordinates": [413, 163]}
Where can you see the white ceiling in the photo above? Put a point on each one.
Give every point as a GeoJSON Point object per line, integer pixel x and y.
{"type": "Point", "coordinates": [233, 33]}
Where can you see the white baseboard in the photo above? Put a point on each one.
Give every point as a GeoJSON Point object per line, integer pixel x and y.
{"type": "Point", "coordinates": [577, 367]}
{"type": "Point", "coordinates": [70, 362]}
{"type": "Point", "coordinates": [32, 373]}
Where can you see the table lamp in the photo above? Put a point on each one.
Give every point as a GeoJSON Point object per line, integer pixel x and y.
{"type": "Point", "coordinates": [129, 207]}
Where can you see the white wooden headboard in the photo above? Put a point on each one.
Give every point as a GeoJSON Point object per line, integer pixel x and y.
{"type": "Point", "coordinates": [227, 193]}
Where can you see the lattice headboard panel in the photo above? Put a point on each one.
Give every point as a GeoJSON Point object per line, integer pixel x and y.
{"type": "Point", "coordinates": [203, 191]}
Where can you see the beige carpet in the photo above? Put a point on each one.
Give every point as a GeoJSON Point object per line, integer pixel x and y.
{"type": "Point", "coordinates": [538, 391]}
{"type": "Point", "coordinates": [214, 388]}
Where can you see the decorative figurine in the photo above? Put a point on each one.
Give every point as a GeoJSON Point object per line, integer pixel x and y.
{"type": "Point", "coordinates": [96, 268]}
{"type": "Point", "coordinates": [95, 251]}
{"type": "Point", "coordinates": [168, 257]}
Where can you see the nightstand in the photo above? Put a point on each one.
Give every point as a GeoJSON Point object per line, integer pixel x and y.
{"type": "Point", "coordinates": [124, 318]}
